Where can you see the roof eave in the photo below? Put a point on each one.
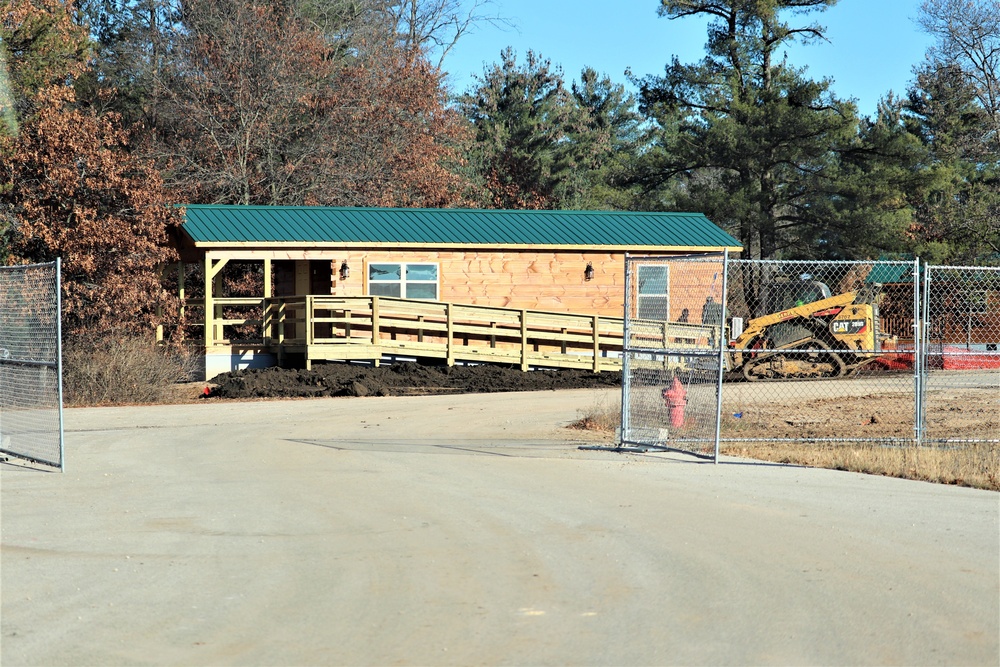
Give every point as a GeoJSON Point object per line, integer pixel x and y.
{"type": "Point", "coordinates": [318, 245]}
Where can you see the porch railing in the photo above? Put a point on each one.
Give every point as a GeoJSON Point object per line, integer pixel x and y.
{"type": "Point", "coordinates": [370, 327]}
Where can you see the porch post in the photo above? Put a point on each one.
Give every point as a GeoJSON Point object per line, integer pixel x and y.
{"type": "Point", "coordinates": [212, 272]}
{"type": "Point", "coordinates": [181, 270]}
{"type": "Point", "coordinates": [159, 307]}
{"type": "Point", "coordinates": [267, 326]}
{"type": "Point", "coordinates": [209, 302]}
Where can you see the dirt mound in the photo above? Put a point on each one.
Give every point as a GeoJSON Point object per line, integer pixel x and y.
{"type": "Point", "coordinates": [400, 379]}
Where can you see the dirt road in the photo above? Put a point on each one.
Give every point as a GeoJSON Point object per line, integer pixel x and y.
{"type": "Point", "coordinates": [467, 530]}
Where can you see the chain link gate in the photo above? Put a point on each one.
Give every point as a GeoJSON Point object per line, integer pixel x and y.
{"type": "Point", "coordinates": [672, 353]}
{"type": "Point", "coordinates": [959, 404]}
{"type": "Point", "coordinates": [821, 352]}
{"type": "Point", "coordinates": [31, 418]}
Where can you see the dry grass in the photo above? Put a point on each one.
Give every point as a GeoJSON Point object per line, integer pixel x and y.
{"type": "Point", "coordinates": [123, 371]}
{"type": "Point", "coordinates": [603, 416]}
{"type": "Point", "coordinates": [975, 465]}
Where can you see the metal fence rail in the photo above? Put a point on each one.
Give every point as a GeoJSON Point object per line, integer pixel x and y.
{"type": "Point", "coordinates": [31, 419]}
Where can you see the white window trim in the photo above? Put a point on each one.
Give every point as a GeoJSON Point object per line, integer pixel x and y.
{"type": "Point", "coordinates": [652, 297]}
{"type": "Point", "coordinates": [403, 282]}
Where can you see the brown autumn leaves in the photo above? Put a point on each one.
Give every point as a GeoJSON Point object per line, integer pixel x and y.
{"type": "Point", "coordinates": [251, 103]}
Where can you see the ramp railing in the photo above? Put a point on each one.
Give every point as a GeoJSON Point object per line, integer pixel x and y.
{"type": "Point", "coordinates": [370, 327]}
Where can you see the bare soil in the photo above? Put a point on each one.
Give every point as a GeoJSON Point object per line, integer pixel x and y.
{"type": "Point", "coordinates": [863, 411]}
{"type": "Point", "coordinates": [871, 407]}
{"type": "Point", "coordinates": [399, 379]}
{"type": "Point", "coordinates": [867, 415]}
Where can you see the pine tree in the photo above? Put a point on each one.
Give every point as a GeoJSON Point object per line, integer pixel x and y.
{"type": "Point", "coordinates": [523, 116]}
{"type": "Point", "coordinates": [958, 212]}
{"type": "Point", "coordinates": [745, 138]}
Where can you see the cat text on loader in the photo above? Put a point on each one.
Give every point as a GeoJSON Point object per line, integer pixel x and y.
{"type": "Point", "coordinates": [829, 337]}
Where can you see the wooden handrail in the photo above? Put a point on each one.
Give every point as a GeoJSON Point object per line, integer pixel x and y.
{"type": "Point", "coordinates": [373, 326]}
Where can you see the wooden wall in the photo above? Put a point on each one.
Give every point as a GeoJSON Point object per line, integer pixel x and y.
{"type": "Point", "coordinates": [548, 280]}
{"type": "Point", "coordinates": [536, 280]}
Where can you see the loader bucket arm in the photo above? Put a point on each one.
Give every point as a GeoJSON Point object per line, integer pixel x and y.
{"type": "Point", "coordinates": [757, 326]}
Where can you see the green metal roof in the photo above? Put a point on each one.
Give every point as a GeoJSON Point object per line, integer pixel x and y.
{"type": "Point", "coordinates": [891, 272]}
{"type": "Point", "coordinates": [221, 225]}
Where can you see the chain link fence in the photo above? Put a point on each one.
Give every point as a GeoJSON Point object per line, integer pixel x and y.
{"type": "Point", "coordinates": [960, 397]}
{"type": "Point", "coordinates": [821, 352]}
{"type": "Point", "coordinates": [672, 352]}
{"type": "Point", "coordinates": [886, 353]}
{"type": "Point", "coordinates": [723, 350]}
{"type": "Point", "coordinates": [31, 420]}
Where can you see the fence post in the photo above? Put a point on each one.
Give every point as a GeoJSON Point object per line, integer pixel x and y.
{"type": "Point", "coordinates": [375, 332]}
{"type": "Point", "coordinates": [919, 317]}
{"type": "Point", "coordinates": [310, 334]}
{"type": "Point", "coordinates": [59, 365]}
{"type": "Point", "coordinates": [626, 322]}
{"type": "Point", "coordinates": [723, 346]}
{"type": "Point", "coordinates": [307, 317]}
{"type": "Point", "coordinates": [450, 332]}
{"type": "Point", "coordinates": [597, 343]}
{"type": "Point", "coordinates": [279, 323]}
{"type": "Point", "coordinates": [266, 324]}
{"type": "Point", "coordinates": [524, 340]}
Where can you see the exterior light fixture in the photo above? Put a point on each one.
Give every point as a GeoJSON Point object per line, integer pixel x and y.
{"type": "Point", "coordinates": [588, 273]}
{"type": "Point", "coordinates": [345, 270]}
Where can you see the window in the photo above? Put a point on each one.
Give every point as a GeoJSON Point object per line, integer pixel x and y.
{"type": "Point", "coordinates": [653, 302]}
{"type": "Point", "coordinates": [409, 281]}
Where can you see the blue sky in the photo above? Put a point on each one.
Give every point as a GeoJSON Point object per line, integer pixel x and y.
{"type": "Point", "coordinates": [873, 44]}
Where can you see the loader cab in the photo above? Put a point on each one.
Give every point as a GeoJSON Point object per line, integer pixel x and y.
{"type": "Point", "coordinates": [788, 292]}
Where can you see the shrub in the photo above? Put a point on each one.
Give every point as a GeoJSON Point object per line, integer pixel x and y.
{"type": "Point", "coordinates": [603, 416]}
{"type": "Point", "coordinates": [123, 370]}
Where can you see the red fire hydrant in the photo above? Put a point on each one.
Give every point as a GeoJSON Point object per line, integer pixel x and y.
{"type": "Point", "coordinates": [675, 398]}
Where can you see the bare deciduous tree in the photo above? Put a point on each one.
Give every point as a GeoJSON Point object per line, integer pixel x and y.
{"type": "Point", "coordinates": [262, 106]}
{"type": "Point", "coordinates": [968, 35]}
{"type": "Point", "coordinates": [435, 26]}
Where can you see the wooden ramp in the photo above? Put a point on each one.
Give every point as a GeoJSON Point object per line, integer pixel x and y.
{"type": "Point", "coordinates": [327, 328]}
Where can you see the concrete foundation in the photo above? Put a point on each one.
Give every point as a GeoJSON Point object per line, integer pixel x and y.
{"type": "Point", "coordinates": [216, 363]}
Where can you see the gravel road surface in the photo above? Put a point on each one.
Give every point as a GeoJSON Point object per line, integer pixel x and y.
{"type": "Point", "coordinates": [472, 530]}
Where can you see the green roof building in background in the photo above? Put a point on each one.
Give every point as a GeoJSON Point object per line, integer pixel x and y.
{"type": "Point", "coordinates": [211, 226]}
{"type": "Point", "coordinates": [552, 262]}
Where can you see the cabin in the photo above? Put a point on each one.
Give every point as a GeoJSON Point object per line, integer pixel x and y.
{"type": "Point", "coordinates": [264, 285]}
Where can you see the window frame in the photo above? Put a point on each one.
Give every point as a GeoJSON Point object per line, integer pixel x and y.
{"type": "Point", "coordinates": [646, 298]}
{"type": "Point", "coordinates": [403, 282]}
